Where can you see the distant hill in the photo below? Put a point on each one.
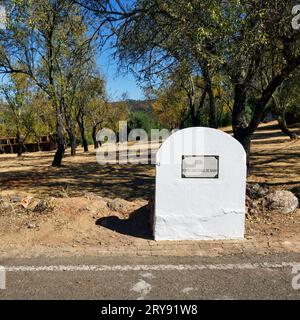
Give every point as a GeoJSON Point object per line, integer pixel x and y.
{"type": "Point", "coordinates": [139, 105]}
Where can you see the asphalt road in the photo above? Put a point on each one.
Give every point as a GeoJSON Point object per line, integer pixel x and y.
{"type": "Point", "coordinates": [236, 277]}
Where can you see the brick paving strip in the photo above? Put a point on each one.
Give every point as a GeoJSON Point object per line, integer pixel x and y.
{"type": "Point", "coordinates": [147, 248]}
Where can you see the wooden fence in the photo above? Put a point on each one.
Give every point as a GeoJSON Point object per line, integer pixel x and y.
{"type": "Point", "coordinates": [10, 145]}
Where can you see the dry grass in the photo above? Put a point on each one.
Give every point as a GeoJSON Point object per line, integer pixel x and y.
{"type": "Point", "coordinates": [76, 220]}
{"type": "Point", "coordinates": [275, 161]}
{"type": "Point", "coordinates": [33, 174]}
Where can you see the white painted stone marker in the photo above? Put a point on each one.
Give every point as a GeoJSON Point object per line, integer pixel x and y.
{"type": "Point", "coordinates": [200, 186]}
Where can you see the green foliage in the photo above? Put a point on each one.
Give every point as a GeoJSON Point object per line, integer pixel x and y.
{"type": "Point", "coordinates": [205, 60]}
{"type": "Point", "coordinates": [249, 44]}
{"type": "Point", "coordinates": [225, 119]}
{"type": "Point", "coordinates": [48, 42]}
{"type": "Point", "coordinates": [142, 120]}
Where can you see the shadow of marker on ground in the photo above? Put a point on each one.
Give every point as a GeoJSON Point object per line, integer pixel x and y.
{"type": "Point", "coordinates": [137, 225]}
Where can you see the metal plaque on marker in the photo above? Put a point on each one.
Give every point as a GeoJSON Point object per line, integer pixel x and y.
{"type": "Point", "coordinates": [205, 167]}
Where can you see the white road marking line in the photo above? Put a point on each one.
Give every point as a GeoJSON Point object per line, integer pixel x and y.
{"type": "Point", "coordinates": [180, 267]}
{"type": "Point", "coordinates": [142, 288]}
{"type": "Point", "coordinates": [187, 290]}
{"type": "Point", "coordinates": [147, 275]}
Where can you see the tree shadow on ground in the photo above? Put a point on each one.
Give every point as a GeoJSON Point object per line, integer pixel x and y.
{"type": "Point", "coordinates": [113, 181]}
{"type": "Point", "coordinates": [137, 225]}
{"type": "Point", "coordinates": [273, 161]}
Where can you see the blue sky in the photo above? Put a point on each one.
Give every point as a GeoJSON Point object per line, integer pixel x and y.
{"type": "Point", "coordinates": [116, 83]}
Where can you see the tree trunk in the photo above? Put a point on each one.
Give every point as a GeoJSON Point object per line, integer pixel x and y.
{"type": "Point", "coordinates": [244, 137]}
{"type": "Point", "coordinates": [191, 96]}
{"type": "Point", "coordinates": [81, 126]}
{"type": "Point", "coordinates": [60, 140]}
{"type": "Point", "coordinates": [243, 132]}
{"type": "Point", "coordinates": [24, 146]}
{"type": "Point", "coordinates": [59, 108]}
{"type": "Point", "coordinates": [58, 155]}
{"type": "Point", "coordinates": [201, 106]}
{"type": "Point", "coordinates": [238, 120]}
{"type": "Point", "coordinates": [181, 124]}
{"type": "Point", "coordinates": [73, 142]}
{"type": "Point", "coordinates": [38, 145]}
{"type": "Point", "coordinates": [20, 144]}
{"type": "Point", "coordinates": [240, 130]}
{"type": "Point", "coordinates": [71, 135]}
{"type": "Point", "coordinates": [284, 128]}
{"type": "Point", "coordinates": [10, 146]}
{"type": "Point", "coordinates": [84, 142]}
{"type": "Point", "coordinates": [194, 118]}
{"type": "Point", "coordinates": [97, 144]}
{"type": "Point", "coordinates": [213, 111]}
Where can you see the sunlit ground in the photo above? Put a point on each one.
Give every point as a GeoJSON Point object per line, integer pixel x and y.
{"type": "Point", "coordinates": [275, 161]}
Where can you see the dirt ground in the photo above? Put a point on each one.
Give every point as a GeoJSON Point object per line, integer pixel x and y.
{"type": "Point", "coordinates": [81, 211]}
